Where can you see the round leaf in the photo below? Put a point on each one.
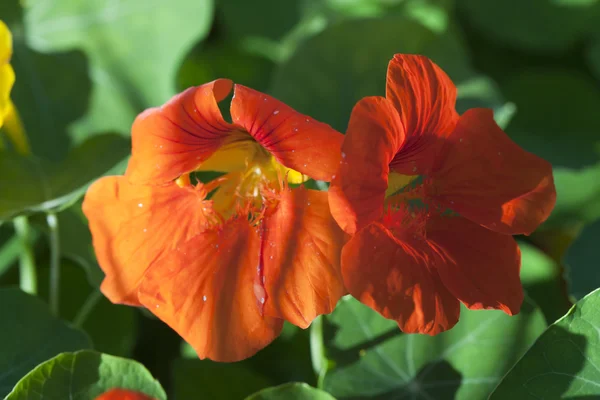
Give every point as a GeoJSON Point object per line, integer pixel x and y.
{"type": "Point", "coordinates": [330, 72]}
{"type": "Point", "coordinates": [371, 357]}
{"type": "Point", "coordinates": [291, 391]}
{"type": "Point", "coordinates": [563, 362]}
{"type": "Point", "coordinates": [30, 335]}
{"type": "Point", "coordinates": [135, 48]}
{"type": "Point", "coordinates": [33, 185]}
{"type": "Point", "coordinates": [85, 375]}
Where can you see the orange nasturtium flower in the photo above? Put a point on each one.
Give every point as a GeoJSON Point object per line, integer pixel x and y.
{"type": "Point", "coordinates": [9, 118]}
{"type": "Point", "coordinates": [223, 272]}
{"type": "Point", "coordinates": [432, 199]}
{"type": "Point", "coordinates": [123, 394]}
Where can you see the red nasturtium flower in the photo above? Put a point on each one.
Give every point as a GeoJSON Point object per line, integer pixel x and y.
{"type": "Point", "coordinates": [223, 272]}
{"type": "Point", "coordinates": [432, 199]}
{"type": "Point", "coordinates": [123, 394]}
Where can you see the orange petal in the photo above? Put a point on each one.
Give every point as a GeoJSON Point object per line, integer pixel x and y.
{"type": "Point", "coordinates": [487, 178]}
{"type": "Point", "coordinates": [481, 267]}
{"type": "Point", "coordinates": [397, 280]}
{"type": "Point", "coordinates": [301, 253]}
{"type": "Point", "coordinates": [357, 191]}
{"type": "Point", "coordinates": [176, 138]}
{"type": "Point", "coordinates": [134, 225]}
{"type": "Point", "coordinates": [123, 394]}
{"type": "Point", "coordinates": [425, 98]}
{"type": "Point", "coordinates": [295, 140]}
{"type": "Point", "coordinates": [205, 291]}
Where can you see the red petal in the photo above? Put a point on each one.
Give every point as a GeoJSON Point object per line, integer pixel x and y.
{"type": "Point", "coordinates": [487, 178]}
{"type": "Point", "coordinates": [425, 98]}
{"type": "Point", "coordinates": [123, 394]}
{"type": "Point", "coordinates": [374, 136]}
{"type": "Point", "coordinates": [296, 140]}
{"type": "Point", "coordinates": [205, 291]}
{"type": "Point", "coordinates": [481, 267]}
{"type": "Point", "coordinates": [176, 138]}
{"type": "Point", "coordinates": [134, 225]}
{"type": "Point", "coordinates": [396, 279]}
{"type": "Point", "coordinates": [302, 246]}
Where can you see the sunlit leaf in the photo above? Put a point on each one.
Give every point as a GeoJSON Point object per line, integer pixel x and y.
{"type": "Point", "coordinates": [51, 91]}
{"type": "Point", "coordinates": [373, 359]}
{"type": "Point", "coordinates": [291, 391]}
{"type": "Point", "coordinates": [563, 362]}
{"type": "Point", "coordinates": [543, 279]}
{"type": "Point", "coordinates": [134, 46]}
{"type": "Point", "coordinates": [30, 335]}
{"type": "Point", "coordinates": [33, 185]}
{"type": "Point", "coordinates": [83, 376]}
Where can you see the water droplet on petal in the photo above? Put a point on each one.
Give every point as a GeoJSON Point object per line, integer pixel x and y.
{"type": "Point", "coordinates": [203, 298]}
{"type": "Point", "coordinates": [343, 155]}
{"type": "Point", "coordinates": [295, 129]}
{"type": "Point", "coordinates": [262, 300]}
{"type": "Point", "coordinates": [140, 205]}
{"type": "Point", "coordinates": [145, 230]}
{"type": "Point", "coordinates": [307, 120]}
{"type": "Point", "coordinates": [275, 112]}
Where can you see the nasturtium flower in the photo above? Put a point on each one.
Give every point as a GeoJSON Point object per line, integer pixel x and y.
{"type": "Point", "coordinates": [9, 118]}
{"type": "Point", "coordinates": [123, 394]}
{"type": "Point", "coordinates": [432, 199]}
{"type": "Point", "coordinates": [223, 262]}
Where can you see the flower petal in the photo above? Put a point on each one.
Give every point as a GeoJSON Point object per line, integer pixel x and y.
{"type": "Point", "coordinates": [295, 140]}
{"type": "Point", "coordinates": [302, 246]}
{"type": "Point", "coordinates": [425, 98]}
{"type": "Point", "coordinates": [123, 394]}
{"type": "Point", "coordinates": [358, 189]}
{"type": "Point", "coordinates": [205, 291]}
{"type": "Point", "coordinates": [395, 278]}
{"type": "Point", "coordinates": [487, 178]}
{"type": "Point", "coordinates": [134, 225]}
{"type": "Point", "coordinates": [481, 267]}
{"type": "Point", "coordinates": [176, 138]}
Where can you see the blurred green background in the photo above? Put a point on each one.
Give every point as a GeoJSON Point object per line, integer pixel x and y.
{"type": "Point", "coordinates": [85, 69]}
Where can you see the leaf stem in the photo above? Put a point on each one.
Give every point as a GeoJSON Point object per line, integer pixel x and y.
{"type": "Point", "coordinates": [27, 270]}
{"type": "Point", "coordinates": [52, 221]}
{"type": "Point", "coordinates": [87, 308]}
{"type": "Point", "coordinates": [317, 350]}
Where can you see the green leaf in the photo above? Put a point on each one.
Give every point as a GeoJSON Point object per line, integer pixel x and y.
{"type": "Point", "coordinates": [291, 391]}
{"type": "Point", "coordinates": [543, 280]}
{"type": "Point", "coordinates": [373, 359]}
{"type": "Point", "coordinates": [112, 327]}
{"type": "Point", "coordinates": [577, 196]}
{"type": "Point", "coordinates": [83, 376]}
{"type": "Point", "coordinates": [51, 91]}
{"type": "Point", "coordinates": [76, 243]}
{"type": "Point", "coordinates": [329, 73]}
{"type": "Point", "coordinates": [211, 380]}
{"type": "Point", "coordinates": [30, 335]}
{"type": "Point", "coordinates": [219, 59]}
{"type": "Point", "coordinates": [555, 120]}
{"type": "Point", "coordinates": [582, 262]}
{"type": "Point", "coordinates": [541, 25]}
{"type": "Point", "coordinates": [135, 48]}
{"type": "Point", "coordinates": [563, 362]}
{"type": "Point", "coordinates": [33, 185]}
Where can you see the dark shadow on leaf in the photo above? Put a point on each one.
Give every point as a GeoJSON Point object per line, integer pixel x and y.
{"type": "Point", "coordinates": [344, 357]}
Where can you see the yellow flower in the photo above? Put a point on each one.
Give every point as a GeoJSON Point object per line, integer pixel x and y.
{"type": "Point", "coordinates": [9, 118]}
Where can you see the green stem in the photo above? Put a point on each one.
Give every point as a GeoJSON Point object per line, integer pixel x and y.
{"type": "Point", "coordinates": [87, 308]}
{"type": "Point", "coordinates": [317, 350]}
{"type": "Point", "coordinates": [27, 271]}
{"type": "Point", "coordinates": [52, 221]}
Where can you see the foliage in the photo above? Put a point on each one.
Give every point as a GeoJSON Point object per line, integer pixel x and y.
{"type": "Point", "coordinates": [85, 69]}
